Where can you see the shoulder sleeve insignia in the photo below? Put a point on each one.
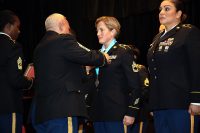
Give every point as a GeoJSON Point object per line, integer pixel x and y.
{"type": "Point", "coordinates": [122, 46]}
{"type": "Point", "coordinates": [19, 63]}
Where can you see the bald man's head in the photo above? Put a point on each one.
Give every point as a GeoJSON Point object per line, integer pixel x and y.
{"type": "Point", "coordinates": [58, 23]}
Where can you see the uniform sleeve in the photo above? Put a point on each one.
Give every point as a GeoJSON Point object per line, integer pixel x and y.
{"type": "Point", "coordinates": [144, 82]}
{"type": "Point", "coordinates": [15, 69]}
{"type": "Point", "coordinates": [193, 54]}
{"type": "Point", "coordinates": [77, 53]}
{"type": "Point", "coordinates": [132, 77]}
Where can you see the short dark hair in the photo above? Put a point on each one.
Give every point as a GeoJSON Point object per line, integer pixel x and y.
{"type": "Point", "coordinates": [6, 16]}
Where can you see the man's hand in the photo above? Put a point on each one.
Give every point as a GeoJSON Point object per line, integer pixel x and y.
{"type": "Point", "coordinates": [107, 58]}
{"type": "Point", "coordinates": [88, 68]}
{"type": "Point", "coordinates": [128, 120]}
{"type": "Point", "coordinates": [194, 109]}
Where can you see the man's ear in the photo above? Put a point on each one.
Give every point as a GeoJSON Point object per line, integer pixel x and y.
{"type": "Point", "coordinates": [7, 28]}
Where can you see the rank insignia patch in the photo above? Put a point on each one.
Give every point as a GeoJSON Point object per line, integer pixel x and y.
{"type": "Point", "coordinates": [19, 63]}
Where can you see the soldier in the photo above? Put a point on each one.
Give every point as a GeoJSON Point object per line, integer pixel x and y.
{"type": "Point", "coordinates": [173, 61]}
{"type": "Point", "coordinates": [116, 100]}
{"type": "Point", "coordinates": [58, 60]}
{"type": "Point", "coordinates": [12, 80]}
{"type": "Point", "coordinates": [144, 121]}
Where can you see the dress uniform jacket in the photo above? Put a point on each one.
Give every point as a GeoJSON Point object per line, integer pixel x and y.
{"type": "Point", "coordinates": [174, 64]}
{"type": "Point", "coordinates": [118, 90]}
{"type": "Point", "coordinates": [58, 61]}
{"type": "Point", "coordinates": [12, 80]}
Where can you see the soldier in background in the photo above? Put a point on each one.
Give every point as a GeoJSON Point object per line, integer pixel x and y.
{"type": "Point", "coordinates": [144, 122]}
{"type": "Point", "coordinates": [173, 62]}
{"type": "Point", "coordinates": [12, 79]}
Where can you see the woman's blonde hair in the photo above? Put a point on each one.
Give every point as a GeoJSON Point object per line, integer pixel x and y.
{"type": "Point", "coordinates": [110, 22]}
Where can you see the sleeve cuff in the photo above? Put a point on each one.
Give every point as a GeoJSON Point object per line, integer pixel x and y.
{"type": "Point", "coordinates": [133, 111]}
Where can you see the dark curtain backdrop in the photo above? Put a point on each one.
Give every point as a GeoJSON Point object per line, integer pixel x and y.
{"type": "Point", "coordinates": [138, 18]}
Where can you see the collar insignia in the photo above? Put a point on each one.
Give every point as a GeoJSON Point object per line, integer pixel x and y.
{"type": "Point", "coordinates": [112, 57]}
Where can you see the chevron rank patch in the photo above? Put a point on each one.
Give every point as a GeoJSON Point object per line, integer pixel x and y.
{"type": "Point", "coordinates": [19, 63]}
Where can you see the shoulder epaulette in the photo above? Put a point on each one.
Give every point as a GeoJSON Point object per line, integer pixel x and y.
{"type": "Point", "coordinates": [140, 66]}
{"type": "Point", "coordinates": [124, 46]}
{"type": "Point", "coordinates": [187, 26]}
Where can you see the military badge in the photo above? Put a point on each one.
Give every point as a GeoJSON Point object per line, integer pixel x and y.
{"type": "Point", "coordinates": [137, 101]}
{"type": "Point", "coordinates": [178, 27]}
{"type": "Point", "coordinates": [112, 57]}
{"type": "Point", "coordinates": [170, 41]}
{"type": "Point", "coordinates": [115, 47]}
{"type": "Point", "coordinates": [86, 95]}
{"type": "Point", "coordinates": [19, 63]}
{"type": "Point", "coordinates": [146, 82]}
{"type": "Point", "coordinates": [160, 48]}
{"type": "Point", "coordinates": [165, 45]}
{"type": "Point", "coordinates": [187, 26]}
{"type": "Point", "coordinates": [135, 67]}
{"type": "Point", "coordinates": [123, 46]}
{"type": "Point", "coordinates": [166, 48]}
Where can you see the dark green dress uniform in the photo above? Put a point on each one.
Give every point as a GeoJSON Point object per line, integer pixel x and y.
{"type": "Point", "coordinates": [58, 61]}
{"type": "Point", "coordinates": [118, 91]}
{"type": "Point", "coordinates": [174, 64]}
{"type": "Point", "coordinates": [12, 82]}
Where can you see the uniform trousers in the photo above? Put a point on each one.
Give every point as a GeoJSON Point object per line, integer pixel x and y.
{"type": "Point", "coordinates": [172, 121]}
{"type": "Point", "coordinates": [139, 127]}
{"type": "Point", "coordinates": [111, 127]}
{"type": "Point", "coordinates": [11, 123]}
{"type": "Point", "coordinates": [59, 125]}
{"type": "Point", "coordinates": [62, 125]}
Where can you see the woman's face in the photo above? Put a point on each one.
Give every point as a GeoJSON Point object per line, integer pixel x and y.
{"type": "Point", "coordinates": [168, 15]}
{"type": "Point", "coordinates": [104, 34]}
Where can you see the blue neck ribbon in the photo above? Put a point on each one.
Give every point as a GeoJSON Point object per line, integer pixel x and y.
{"type": "Point", "coordinates": [105, 50]}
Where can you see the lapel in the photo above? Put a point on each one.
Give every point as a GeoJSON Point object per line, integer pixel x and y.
{"type": "Point", "coordinates": [110, 52]}
{"type": "Point", "coordinates": [155, 42]}
{"type": "Point", "coordinates": [159, 39]}
{"type": "Point", "coordinates": [170, 33]}
{"type": "Point", "coordinates": [114, 47]}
